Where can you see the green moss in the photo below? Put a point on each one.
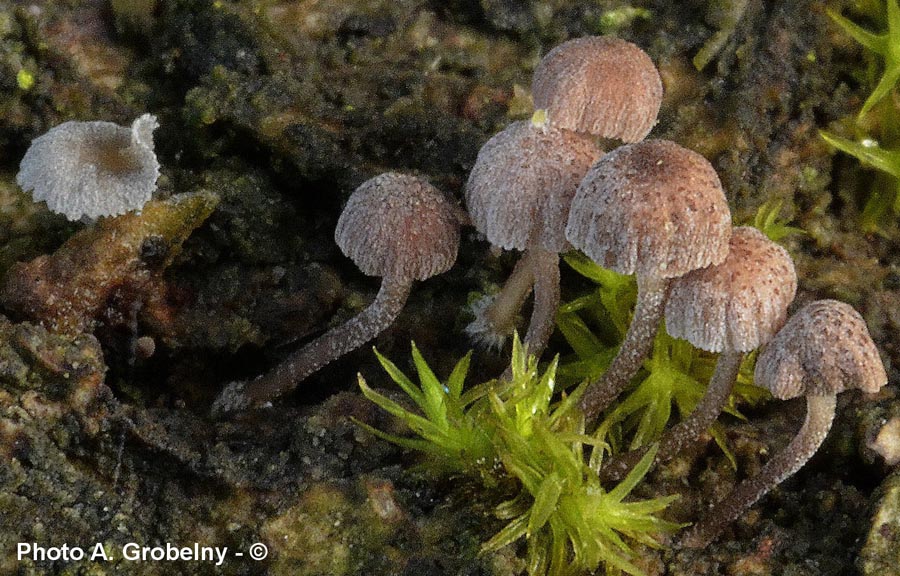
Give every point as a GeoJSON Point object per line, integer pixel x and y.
{"type": "Point", "coordinates": [517, 429]}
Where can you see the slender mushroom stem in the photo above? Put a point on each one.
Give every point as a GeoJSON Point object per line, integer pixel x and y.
{"type": "Point", "coordinates": [338, 341]}
{"type": "Point", "coordinates": [498, 319]}
{"type": "Point", "coordinates": [819, 416]}
{"type": "Point", "coordinates": [686, 432]}
{"type": "Point", "coordinates": [648, 311]}
{"type": "Point", "coordinates": [545, 266]}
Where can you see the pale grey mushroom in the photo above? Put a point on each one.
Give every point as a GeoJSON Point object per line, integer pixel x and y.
{"type": "Point", "coordinates": [656, 210]}
{"type": "Point", "coordinates": [732, 308]}
{"type": "Point", "coordinates": [92, 169]}
{"type": "Point", "coordinates": [823, 350]}
{"type": "Point", "coordinates": [395, 226]}
{"type": "Point", "coordinates": [518, 195]}
{"type": "Point", "coordinates": [599, 85]}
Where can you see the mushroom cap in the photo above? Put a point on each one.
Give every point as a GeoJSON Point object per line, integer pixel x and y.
{"type": "Point", "coordinates": [399, 226]}
{"type": "Point", "coordinates": [522, 184]}
{"type": "Point", "coordinates": [737, 305]}
{"type": "Point", "coordinates": [92, 169]}
{"type": "Point", "coordinates": [652, 208]}
{"type": "Point", "coordinates": [824, 349]}
{"type": "Point", "coordinates": [600, 85]}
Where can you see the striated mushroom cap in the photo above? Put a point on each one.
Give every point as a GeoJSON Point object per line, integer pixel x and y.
{"type": "Point", "coordinates": [523, 182]}
{"type": "Point", "coordinates": [92, 169]}
{"type": "Point", "coordinates": [600, 85]}
{"type": "Point", "coordinates": [652, 208]}
{"type": "Point", "coordinates": [824, 349]}
{"type": "Point", "coordinates": [399, 226]}
{"type": "Point", "coordinates": [737, 305]}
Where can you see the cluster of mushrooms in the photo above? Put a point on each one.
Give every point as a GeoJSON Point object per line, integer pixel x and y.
{"type": "Point", "coordinates": [648, 207]}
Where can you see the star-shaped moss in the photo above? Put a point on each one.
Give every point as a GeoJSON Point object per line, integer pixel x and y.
{"type": "Point", "coordinates": [887, 45]}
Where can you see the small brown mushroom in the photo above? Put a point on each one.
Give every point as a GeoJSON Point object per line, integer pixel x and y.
{"type": "Point", "coordinates": [518, 196]}
{"type": "Point", "coordinates": [92, 169]}
{"type": "Point", "coordinates": [823, 350]}
{"type": "Point", "coordinates": [733, 308]}
{"type": "Point", "coordinates": [656, 210]}
{"type": "Point", "coordinates": [395, 226]}
{"type": "Point", "coordinates": [600, 85]}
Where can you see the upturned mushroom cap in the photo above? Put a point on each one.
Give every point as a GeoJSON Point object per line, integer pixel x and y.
{"type": "Point", "coordinates": [652, 208]}
{"type": "Point", "coordinates": [737, 305]}
{"type": "Point", "coordinates": [600, 85]}
{"type": "Point", "coordinates": [92, 169]}
{"type": "Point", "coordinates": [398, 226]}
{"type": "Point", "coordinates": [824, 349]}
{"type": "Point", "coordinates": [523, 182]}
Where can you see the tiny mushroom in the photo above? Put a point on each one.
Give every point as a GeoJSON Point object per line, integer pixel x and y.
{"type": "Point", "coordinates": [599, 85]}
{"type": "Point", "coordinates": [823, 350]}
{"type": "Point", "coordinates": [92, 169]}
{"type": "Point", "coordinates": [656, 210]}
{"type": "Point", "coordinates": [518, 195]}
{"type": "Point", "coordinates": [395, 226]}
{"type": "Point", "coordinates": [732, 308]}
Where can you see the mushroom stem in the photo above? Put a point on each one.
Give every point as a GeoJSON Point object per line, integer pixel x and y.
{"type": "Point", "coordinates": [686, 432]}
{"type": "Point", "coordinates": [545, 267]}
{"type": "Point", "coordinates": [338, 341]}
{"type": "Point", "coordinates": [819, 416]}
{"type": "Point", "coordinates": [499, 317]}
{"type": "Point", "coordinates": [648, 311]}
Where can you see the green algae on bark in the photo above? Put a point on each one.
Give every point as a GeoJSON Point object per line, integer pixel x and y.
{"type": "Point", "coordinates": [69, 290]}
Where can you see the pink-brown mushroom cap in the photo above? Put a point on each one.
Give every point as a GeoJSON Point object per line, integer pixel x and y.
{"type": "Point", "coordinates": [823, 349]}
{"type": "Point", "coordinates": [600, 85]}
{"type": "Point", "coordinates": [399, 226]}
{"type": "Point", "coordinates": [737, 305]}
{"type": "Point", "coordinates": [522, 184]}
{"type": "Point", "coordinates": [653, 208]}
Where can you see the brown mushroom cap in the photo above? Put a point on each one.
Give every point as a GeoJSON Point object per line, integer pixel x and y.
{"type": "Point", "coordinates": [399, 226]}
{"type": "Point", "coordinates": [653, 208]}
{"type": "Point", "coordinates": [523, 182]}
{"type": "Point", "coordinates": [737, 305]}
{"type": "Point", "coordinates": [92, 169]}
{"type": "Point", "coordinates": [824, 349]}
{"type": "Point", "coordinates": [600, 85]}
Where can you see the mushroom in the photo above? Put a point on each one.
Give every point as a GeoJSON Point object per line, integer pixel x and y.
{"type": "Point", "coordinates": [92, 169]}
{"type": "Point", "coordinates": [732, 308]}
{"type": "Point", "coordinates": [600, 85]}
{"type": "Point", "coordinates": [518, 195]}
{"type": "Point", "coordinates": [395, 226]}
{"type": "Point", "coordinates": [824, 349]}
{"type": "Point", "coordinates": [656, 210]}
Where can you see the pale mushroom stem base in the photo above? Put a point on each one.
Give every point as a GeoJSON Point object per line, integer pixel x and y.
{"type": "Point", "coordinates": [338, 341]}
{"type": "Point", "coordinates": [498, 319]}
{"type": "Point", "coordinates": [648, 311]}
{"type": "Point", "coordinates": [819, 416]}
{"type": "Point", "coordinates": [686, 432]}
{"type": "Point", "coordinates": [545, 265]}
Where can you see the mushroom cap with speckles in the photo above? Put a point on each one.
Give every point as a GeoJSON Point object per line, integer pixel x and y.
{"type": "Point", "coordinates": [652, 208]}
{"type": "Point", "coordinates": [824, 349]}
{"type": "Point", "coordinates": [522, 184]}
{"type": "Point", "coordinates": [737, 305]}
{"type": "Point", "coordinates": [399, 226]}
{"type": "Point", "coordinates": [92, 169]}
{"type": "Point", "coordinates": [600, 85]}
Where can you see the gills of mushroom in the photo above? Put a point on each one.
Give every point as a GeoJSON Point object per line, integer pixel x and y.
{"type": "Point", "coordinates": [518, 196]}
{"type": "Point", "coordinates": [92, 169]}
{"type": "Point", "coordinates": [823, 350]}
{"type": "Point", "coordinates": [656, 210]}
{"type": "Point", "coordinates": [731, 308]}
{"type": "Point", "coordinates": [395, 226]}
